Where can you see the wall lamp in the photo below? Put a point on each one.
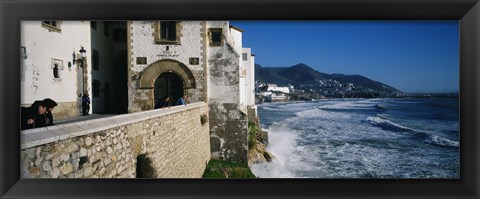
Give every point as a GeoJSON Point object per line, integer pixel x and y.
{"type": "Point", "coordinates": [83, 54]}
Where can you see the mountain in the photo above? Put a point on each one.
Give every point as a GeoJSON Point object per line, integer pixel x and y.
{"type": "Point", "coordinates": [302, 76]}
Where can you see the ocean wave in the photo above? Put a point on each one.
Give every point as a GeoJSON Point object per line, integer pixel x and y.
{"type": "Point", "coordinates": [388, 125]}
{"type": "Point", "coordinates": [319, 113]}
{"type": "Point", "coordinates": [360, 105]}
{"type": "Point", "coordinates": [269, 108]}
{"type": "Point", "coordinates": [283, 146]}
{"type": "Point", "coordinates": [380, 106]}
{"type": "Point", "coordinates": [440, 141]}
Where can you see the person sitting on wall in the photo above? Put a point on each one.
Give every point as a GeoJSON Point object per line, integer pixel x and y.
{"type": "Point", "coordinates": [50, 104]}
{"type": "Point", "coordinates": [85, 104]}
{"type": "Point", "coordinates": [34, 116]}
{"type": "Point", "coordinates": [162, 103]}
{"type": "Point", "coordinates": [182, 100]}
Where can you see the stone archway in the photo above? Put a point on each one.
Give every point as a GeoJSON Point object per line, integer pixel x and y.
{"type": "Point", "coordinates": [159, 69]}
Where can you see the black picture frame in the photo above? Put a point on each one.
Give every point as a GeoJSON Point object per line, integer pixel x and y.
{"type": "Point", "coordinates": [12, 12]}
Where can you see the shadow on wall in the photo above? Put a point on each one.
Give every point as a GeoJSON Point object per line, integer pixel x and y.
{"type": "Point", "coordinates": [144, 167]}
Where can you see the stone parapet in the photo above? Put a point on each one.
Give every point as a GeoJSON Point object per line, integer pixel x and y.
{"type": "Point", "coordinates": [176, 140]}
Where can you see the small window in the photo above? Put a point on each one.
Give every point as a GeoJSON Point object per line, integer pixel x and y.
{"type": "Point", "coordinates": [120, 35]}
{"type": "Point", "coordinates": [167, 32]}
{"type": "Point", "coordinates": [93, 25]}
{"type": "Point", "coordinates": [96, 88]}
{"type": "Point", "coordinates": [216, 38]}
{"type": "Point", "coordinates": [57, 67]}
{"type": "Point", "coordinates": [53, 26]}
{"type": "Point", "coordinates": [244, 56]}
{"type": "Point", "coordinates": [56, 74]}
{"type": "Point", "coordinates": [106, 28]}
{"type": "Point", "coordinates": [95, 60]}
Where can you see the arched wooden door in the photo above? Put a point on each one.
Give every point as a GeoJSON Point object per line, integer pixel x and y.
{"type": "Point", "coordinates": [168, 83]}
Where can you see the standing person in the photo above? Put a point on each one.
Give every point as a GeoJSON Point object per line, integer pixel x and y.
{"type": "Point", "coordinates": [34, 116]}
{"type": "Point", "coordinates": [182, 100]}
{"type": "Point", "coordinates": [85, 104]}
{"type": "Point", "coordinates": [163, 102]}
{"type": "Point", "coordinates": [50, 104]}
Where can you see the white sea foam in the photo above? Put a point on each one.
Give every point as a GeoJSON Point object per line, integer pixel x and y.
{"type": "Point", "coordinates": [440, 141]}
{"type": "Point", "coordinates": [282, 145]}
{"type": "Point", "coordinates": [268, 108]}
{"type": "Point", "coordinates": [387, 124]}
{"type": "Point", "coordinates": [349, 105]}
{"type": "Point", "coordinates": [319, 113]}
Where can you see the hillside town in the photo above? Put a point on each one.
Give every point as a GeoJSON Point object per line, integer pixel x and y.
{"type": "Point", "coordinates": [269, 92]}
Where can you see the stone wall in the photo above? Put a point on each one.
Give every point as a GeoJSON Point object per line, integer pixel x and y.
{"type": "Point", "coordinates": [176, 140]}
{"type": "Point", "coordinates": [228, 123]}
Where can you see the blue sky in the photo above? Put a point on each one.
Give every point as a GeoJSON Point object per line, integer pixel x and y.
{"type": "Point", "coordinates": [412, 56]}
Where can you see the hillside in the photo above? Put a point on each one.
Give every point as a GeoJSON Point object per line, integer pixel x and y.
{"type": "Point", "coordinates": [302, 76]}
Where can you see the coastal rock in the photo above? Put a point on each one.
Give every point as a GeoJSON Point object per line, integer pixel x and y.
{"type": "Point", "coordinates": [258, 154]}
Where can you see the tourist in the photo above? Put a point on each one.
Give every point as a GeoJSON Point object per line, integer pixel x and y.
{"type": "Point", "coordinates": [50, 104]}
{"type": "Point", "coordinates": [182, 100]}
{"type": "Point", "coordinates": [163, 102]}
{"type": "Point", "coordinates": [85, 104]}
{"type": "Point", "coordinates": [34, 116]}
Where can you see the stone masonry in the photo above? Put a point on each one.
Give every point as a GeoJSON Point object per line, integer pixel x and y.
{"type": "Point", "coordinates": [176, 140]}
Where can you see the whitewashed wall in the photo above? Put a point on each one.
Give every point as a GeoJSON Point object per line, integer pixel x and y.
{"type": "Point", "coordinates": [236, 39]}
{"type": "Point", "coordinates": [250, 79]}
{"type": "Point", "coordinates": [42, 46]}
{"type": "Point", "coordinates": [220, 91]}
{"type": "Point", "coordinates": [144, 46]}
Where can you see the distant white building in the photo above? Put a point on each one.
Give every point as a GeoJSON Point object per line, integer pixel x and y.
{"type": "Point", "coordinates": [291, 88]}
{"type": "Point", "coordinates": [274, 87]}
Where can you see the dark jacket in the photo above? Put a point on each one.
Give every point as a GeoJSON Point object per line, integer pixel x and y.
{"type": "Point", "coordinates": [25, 114]}
{"type": "Point", "coordinates": [49, 117]}
{"type": "Point", "coordinates": [29, 113]}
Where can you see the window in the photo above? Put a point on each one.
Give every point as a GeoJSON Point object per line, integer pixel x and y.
{"type": "Point", "coordinates": [96, 88]}
{"type": "Point", "coordinates": [93, 25]}
{"type": "Point", "coordinates": [57, 67]}
{"type": "Point", "coordinates": [216, 37]}
{"type": "Point", "coordinates": [52, 26]}
{"type": "Point", "coordinates": [106, 28]}
{"type": "Point", "coordinates": [55, 71]}
{"type": "Point", "coordinates": [95, 59]}
{"type": "Point", "coordinates": [167, 32]}
{"type": "Point", "coordinates": [120, 35]}
{"type": "Point", "coordinates": [244, 56]}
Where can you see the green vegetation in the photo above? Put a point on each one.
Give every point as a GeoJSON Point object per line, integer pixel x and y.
{"type": "Point", "coordinates": [224, 169]}
{"type": "Point", "coordinates": [252, 134]}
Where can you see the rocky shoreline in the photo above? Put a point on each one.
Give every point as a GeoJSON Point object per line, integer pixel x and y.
{"type": "Point", "coordinates": [257, 143]}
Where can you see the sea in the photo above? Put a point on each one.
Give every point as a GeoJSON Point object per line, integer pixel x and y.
{"type": "Point", "coordinates": [393, 138]}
